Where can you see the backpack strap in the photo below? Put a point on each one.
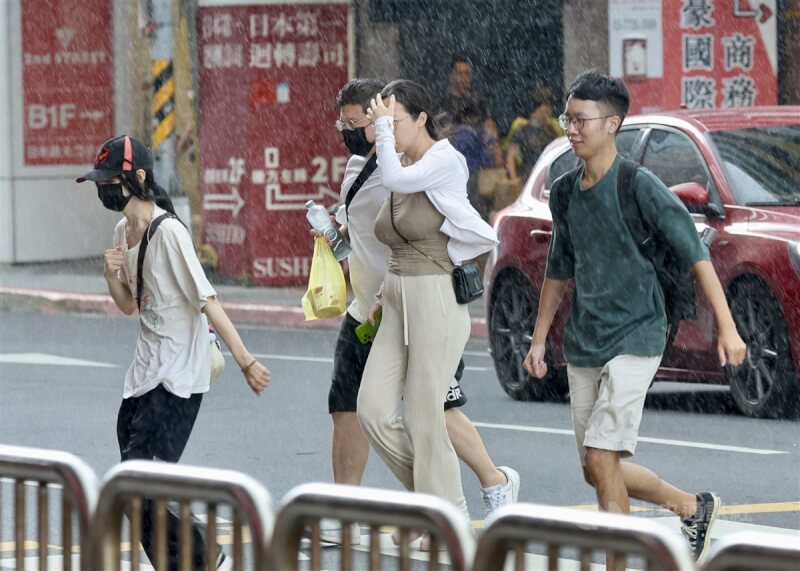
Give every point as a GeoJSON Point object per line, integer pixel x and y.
{"type": "Point", "coordinates": [562, 195]}
{"type": "Point", "coordinates": [365, 173]}
{"type": "Point", "coordinates": [142, 249]}
{"type": "Point", "coordinates": [644, 238]}
{"type": "Point", "coordinates": [629, 206]}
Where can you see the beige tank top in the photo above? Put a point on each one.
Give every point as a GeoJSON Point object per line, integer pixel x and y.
{"type": "Point", "coordinates": [418, 221]}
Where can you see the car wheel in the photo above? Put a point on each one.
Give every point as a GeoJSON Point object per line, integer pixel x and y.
{"type": "Point", "coordinates": [513, 314]}
{"type": "Point", "coordinates": [765, 385]}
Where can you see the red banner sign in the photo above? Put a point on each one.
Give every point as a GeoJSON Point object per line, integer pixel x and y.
{"type": "Point", "coordinates": [67, 80]}
{"type": "Point", "coordinates": [269, 74]}
{"type": "Point", "coordinates": [710, 54]}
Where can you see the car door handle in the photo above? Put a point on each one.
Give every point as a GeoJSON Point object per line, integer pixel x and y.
{"type": "Point", "coordinates": [541, 235]}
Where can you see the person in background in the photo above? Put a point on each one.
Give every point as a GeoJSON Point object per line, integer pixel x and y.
{"type": "Point", "coordinates": [529, 138]}
{"type": "Point", "coordinates": [471, 138]}
{"type": "Point", "coordinates": [461, 94]}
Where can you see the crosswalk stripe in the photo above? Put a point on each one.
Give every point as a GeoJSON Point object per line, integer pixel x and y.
{"type": "Point", "coordinates": [665, 441]}
{"type": "Point", "coordinates": [48, 359]}
{"type": "Point", "coordinates": [732, 509]}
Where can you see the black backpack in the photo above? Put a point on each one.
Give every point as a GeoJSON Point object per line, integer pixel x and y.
{"type": "Point", "coordinates": [676, 279]}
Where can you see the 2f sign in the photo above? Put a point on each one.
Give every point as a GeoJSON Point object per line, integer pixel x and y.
{"type": "Point", "coordinates": [51, 116]}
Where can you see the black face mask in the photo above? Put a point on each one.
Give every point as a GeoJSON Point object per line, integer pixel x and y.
{"type": "Point", "coordinates": [111, 196]}
{"type": "Point", "coordinates": [356, 141]}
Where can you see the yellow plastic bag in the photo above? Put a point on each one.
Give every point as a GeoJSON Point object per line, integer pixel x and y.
{"type": "Point", "coordinates": [327, 292]}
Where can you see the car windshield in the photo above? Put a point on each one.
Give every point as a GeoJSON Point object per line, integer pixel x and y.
{"type": "Point", "coordinates": [762, 164]}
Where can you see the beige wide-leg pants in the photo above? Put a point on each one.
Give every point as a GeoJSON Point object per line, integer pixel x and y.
{"type": "Point", "coordinates": [414, 356]}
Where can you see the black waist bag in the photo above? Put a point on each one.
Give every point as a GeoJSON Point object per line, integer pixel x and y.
{"type": "Point", "coordinates": [467, 283]}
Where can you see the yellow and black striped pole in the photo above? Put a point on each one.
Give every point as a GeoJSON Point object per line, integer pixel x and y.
{"type": "Point", "coordinates": [162, 104]}
{"type": "Point", "coordinates": [162, 107]}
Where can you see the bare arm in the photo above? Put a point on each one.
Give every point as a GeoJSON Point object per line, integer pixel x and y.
{"type": "Point", "coordinates": [549, 301]}
{"type": "Point", "coordinates": [552, 294]}
{"type": "Point", "coordinates": [119, 291]}
{"type": "Point", "coordinates": [731, 348]}
{"type": "Point", "coordinates": [256, 374]}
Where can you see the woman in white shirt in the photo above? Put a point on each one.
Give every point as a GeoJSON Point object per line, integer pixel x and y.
{"type": "Point", "coordinates": [430, 227]}
{"type": "Point", "coordinates": [171, 368]}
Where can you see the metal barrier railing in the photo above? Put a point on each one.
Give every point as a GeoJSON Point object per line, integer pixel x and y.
{"type": "Point", "coordinates": [129, 485]}
{"type": "Point", "coordinates": [755, 551]}
{"type": "Point", "coordinates": [49, 470]}
{"type": "Point", "coordinates": [567, 533]}
{"type": "Point", "coordinates": [304, 506]}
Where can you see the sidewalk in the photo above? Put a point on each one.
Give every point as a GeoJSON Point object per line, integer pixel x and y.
{"type": "Point", "coordinates": [79, 286]}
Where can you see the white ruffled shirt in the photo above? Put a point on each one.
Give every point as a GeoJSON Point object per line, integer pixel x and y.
{"type": "Point", "coordinates": [442, 174]}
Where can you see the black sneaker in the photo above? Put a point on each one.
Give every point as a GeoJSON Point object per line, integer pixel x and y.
{"type": "Point", "coordinates": [698, 529]}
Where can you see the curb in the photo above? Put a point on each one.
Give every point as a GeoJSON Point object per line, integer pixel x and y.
{"type": "Point", "coordinates": [243, 313]}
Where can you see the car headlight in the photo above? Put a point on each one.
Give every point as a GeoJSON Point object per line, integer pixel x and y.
{"type": "Point", "coordinates": [794, 256]}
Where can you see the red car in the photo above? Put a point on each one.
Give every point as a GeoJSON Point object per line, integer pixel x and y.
{"type": "Point", "coordinates": [736, 170]}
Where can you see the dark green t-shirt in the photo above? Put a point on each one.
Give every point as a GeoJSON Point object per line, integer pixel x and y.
{"type": "Point", "coordinates": [619, 305]}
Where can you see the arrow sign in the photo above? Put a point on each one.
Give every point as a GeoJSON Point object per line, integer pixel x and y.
{"type": "Point", "coordinates": [92, 115]}
{"type": "Point", "coordinates": [745, 10]}
{"type": "Point", "coordinates": [276, 200]}
{"type": "Point", "coordinates": [232, 201]}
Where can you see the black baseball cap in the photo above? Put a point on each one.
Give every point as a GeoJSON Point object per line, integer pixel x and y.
{"type": "Point", "coordinates": [117, 156]}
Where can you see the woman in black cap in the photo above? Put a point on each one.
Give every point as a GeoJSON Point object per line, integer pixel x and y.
{"type": "Point", "coordinates": [153, 268]}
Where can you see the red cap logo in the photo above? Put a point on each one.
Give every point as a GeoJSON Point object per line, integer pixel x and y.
{"type": "Point", "coordinates": [102, 154]}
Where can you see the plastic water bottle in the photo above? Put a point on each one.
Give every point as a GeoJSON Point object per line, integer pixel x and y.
{"type": "Point", "coordinates": [320, 221]}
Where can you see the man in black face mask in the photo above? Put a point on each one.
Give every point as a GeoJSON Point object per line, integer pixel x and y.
{"type": "Point", "coordinates": [363, 194]}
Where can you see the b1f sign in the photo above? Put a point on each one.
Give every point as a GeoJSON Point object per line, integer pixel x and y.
{"type": "Point", "coordinates": [67, 80]}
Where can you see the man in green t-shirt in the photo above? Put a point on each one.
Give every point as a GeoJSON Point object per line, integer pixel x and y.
{"type": "Point", "coordinates": [617, 328]}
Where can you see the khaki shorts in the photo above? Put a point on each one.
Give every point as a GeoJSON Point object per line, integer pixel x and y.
{"type": "Point", "coordinates": [607, 402]}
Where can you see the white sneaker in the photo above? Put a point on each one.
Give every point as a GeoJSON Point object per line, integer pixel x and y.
{"type": "Point", "coordinates": [501, 495]}
{"type": "Point", "coordinates": [330, 532]}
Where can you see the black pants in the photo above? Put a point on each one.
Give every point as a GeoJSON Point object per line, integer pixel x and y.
{"type": "Point", "coordinates": [157, 426]}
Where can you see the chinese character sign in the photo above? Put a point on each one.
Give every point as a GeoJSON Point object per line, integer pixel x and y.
{"type": "Point", "coordinates": [719, 53]}
{"type": "Point", "coordinates": [269, 75]}
{"type": "Point", "coordinates": [67, 80]}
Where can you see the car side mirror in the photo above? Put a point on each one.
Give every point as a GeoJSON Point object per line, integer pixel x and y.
{"type": "Point", "coordinates": [695, 197]}
{"type": "Point", "coordinates": [692, 194]}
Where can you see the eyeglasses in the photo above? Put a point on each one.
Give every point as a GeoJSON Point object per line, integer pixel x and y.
{"type": "Point", "coordinates": [350, 125]}
{"type": "Point", "coordinates": [398, 119]}
{"type": "Point", "coordinates": [564, 121]}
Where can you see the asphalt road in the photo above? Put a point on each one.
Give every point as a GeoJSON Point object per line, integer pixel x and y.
{"type": "Point", "coordinates": [690, 436]}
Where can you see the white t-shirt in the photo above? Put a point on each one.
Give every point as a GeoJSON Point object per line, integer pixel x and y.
{"type": "Point", "coordinates": [370, 257]}
{"type": "Point", "coordinates": [173, 345]}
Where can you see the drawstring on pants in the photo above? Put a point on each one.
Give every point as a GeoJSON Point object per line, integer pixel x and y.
{"type": "Point", "coordinates": [405, 310]}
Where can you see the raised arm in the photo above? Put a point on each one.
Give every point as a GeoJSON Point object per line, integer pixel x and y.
{"type": "Point", "coordinates": [425, 174]}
